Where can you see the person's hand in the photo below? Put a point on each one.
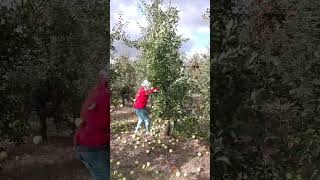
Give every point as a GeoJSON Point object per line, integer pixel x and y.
{"type": "Point", "coordinates": [92, 106]}
{"type": "Point", "coordinates": [78, 122]}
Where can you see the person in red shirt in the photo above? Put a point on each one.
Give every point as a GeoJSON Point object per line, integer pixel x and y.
{"type": "Point", "coordinates": [92, 139]}
{"type": "Point", "coordinates": [140, 104]}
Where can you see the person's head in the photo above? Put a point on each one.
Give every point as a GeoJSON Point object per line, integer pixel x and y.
{"type": "Point", "coordinates": [103, 76]}
{"type": "Point", "coordinates": [97, 91]}
{"type": "Point", "coordinates": [146, 84]}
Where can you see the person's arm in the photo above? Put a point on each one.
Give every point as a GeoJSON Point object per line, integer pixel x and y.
{"type": "Point", "coordinates": [152, 90]}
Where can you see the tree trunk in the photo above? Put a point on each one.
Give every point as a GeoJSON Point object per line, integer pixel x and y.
{"type": "Point", "coordinates": [168, 130]}
{"type": "Point", "coordinates": [170, 127]}
{"type": "Point", "coordinates": [43, 122]}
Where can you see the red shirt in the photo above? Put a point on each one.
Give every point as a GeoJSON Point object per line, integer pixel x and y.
{"type": "Point", "coordinates": [95, 129]}
{"type": "Point", "coordinates": [141, 97]}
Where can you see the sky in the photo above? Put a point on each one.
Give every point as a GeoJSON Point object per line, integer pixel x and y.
{"type": "Point", "coordinates": [191, 24]}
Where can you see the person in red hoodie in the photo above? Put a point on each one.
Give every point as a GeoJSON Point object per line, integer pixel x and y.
{"type": "Point", "coordinates": [140, 104]}
{"type": "Point", "coordinates": [92, 139]}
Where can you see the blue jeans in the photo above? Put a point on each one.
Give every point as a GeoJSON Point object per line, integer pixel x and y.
{"type": "Point", "coordinates": [143, 117]}
{"type": "Point", "coordinates": [96, 159]}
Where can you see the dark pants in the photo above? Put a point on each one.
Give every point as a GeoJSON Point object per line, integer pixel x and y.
{"type": "Point", "coordinates": [96, 159]}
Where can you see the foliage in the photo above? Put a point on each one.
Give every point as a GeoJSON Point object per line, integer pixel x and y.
{"type": "Point", "coordinates": [50, 56]}
{"type": "Point", "coordinates": [123, 80]}
{"type": "Point", "coordinates": [271, 77]}
{"type": "Point", "coordinates": [195, 119]}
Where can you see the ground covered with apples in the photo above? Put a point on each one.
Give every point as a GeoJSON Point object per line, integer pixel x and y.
{"type": "Point", "coordinates": [155, 155]}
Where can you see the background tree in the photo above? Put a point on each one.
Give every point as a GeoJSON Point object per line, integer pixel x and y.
{"type": "Point", "coordinates": [50, 60]}
{"type": "Point", "coordinates": [123, 80]}
{"type": "Point", "coordinates": [260, 63]}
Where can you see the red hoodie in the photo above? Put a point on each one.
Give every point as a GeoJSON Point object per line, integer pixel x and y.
{"type": "Point", "coordinates": [141, 97]}
{"type": "Point", "coordinates": [95, 129]}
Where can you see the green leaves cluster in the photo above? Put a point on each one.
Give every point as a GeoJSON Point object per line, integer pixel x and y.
{"type": "Point", "coordinates": [51, 52]}
{"type": "Point", "coordinates": [270, 128]}
{"type": "Point", "coordinates": [123, 80]}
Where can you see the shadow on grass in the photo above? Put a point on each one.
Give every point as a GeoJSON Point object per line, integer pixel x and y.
{"type": "Point", "coordinates": [123, 116]}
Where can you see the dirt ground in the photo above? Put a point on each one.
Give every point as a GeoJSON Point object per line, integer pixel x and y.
{"type": "Point", "coordinates": [52, 161]}
{"type": "Point", "coordinates": [183, 162]}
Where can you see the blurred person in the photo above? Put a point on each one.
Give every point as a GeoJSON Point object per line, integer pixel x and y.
{"type": "Point", "coordinates": [92, 139]}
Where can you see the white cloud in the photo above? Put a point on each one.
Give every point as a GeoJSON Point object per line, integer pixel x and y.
{"type": "Point", "coordinates": [130, 14]}
{"type": "Point", "coordinates": [185, 31]}
{"type": "Point", "coordinates": [203, 29]}
{"type": "Point", "coordinates": [193, 51]}
{"type": "Point", "coordinates": [129, 10]}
